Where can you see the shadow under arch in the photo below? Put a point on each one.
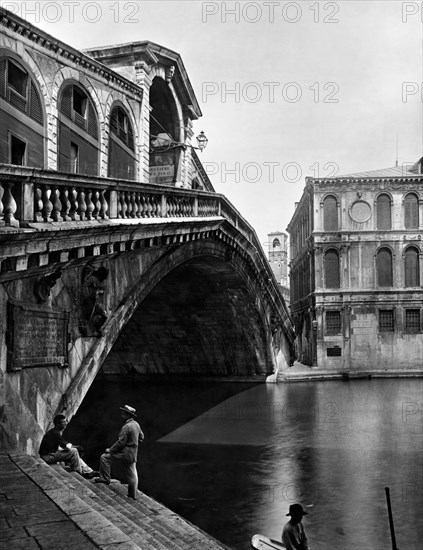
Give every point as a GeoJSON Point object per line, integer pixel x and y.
{"type": "Point", "coordinates": [200, 319]}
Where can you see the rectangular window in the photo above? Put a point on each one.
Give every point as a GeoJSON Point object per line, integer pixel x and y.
{"type": "Point", "coordinates": [333, 322]}
{"type": "Point", "coordinates": [17, 151]}
{"type": "Point", "coordinates": [334, 352]}
{"type": "Point", "coordinates": [412, 320]}
{"type": "Point", "coordinates": [386, 320]}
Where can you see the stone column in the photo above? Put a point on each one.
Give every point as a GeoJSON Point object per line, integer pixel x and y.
{"type": "Point", "coordinates": [143, 79]}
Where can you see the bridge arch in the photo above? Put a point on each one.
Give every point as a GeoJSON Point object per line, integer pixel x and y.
{"type": "Point", "coordinates": [200, 298]}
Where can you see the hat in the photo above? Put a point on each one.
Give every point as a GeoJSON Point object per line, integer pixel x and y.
{"type": "Point", "coordinates": [296, 509]}
{"type": "Point", "coordinates": [129, 410]}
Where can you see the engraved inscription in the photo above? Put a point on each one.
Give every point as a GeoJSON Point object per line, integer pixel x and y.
{"type": "Point", "coordinates": [36, 337]}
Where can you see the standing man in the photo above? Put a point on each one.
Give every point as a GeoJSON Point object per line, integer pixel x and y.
{"type": "Point", "coordinates": [293, 534]}
{"type": "Point", "coordinates": [54, 448]}
{"type": "Point", "coordinates": [124, 450]}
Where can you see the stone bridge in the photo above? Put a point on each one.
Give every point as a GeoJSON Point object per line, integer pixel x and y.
{"type": "Point", "coordinates": [97, 273]}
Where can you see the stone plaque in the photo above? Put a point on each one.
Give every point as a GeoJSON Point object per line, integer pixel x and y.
{"type": "Point", "coordinates": [36, 337]}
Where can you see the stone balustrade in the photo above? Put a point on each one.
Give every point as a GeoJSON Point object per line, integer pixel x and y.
{"type": "Point", "coordinates": [35, 196]}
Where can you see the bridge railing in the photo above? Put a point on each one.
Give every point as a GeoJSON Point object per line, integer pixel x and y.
{"type": "Point", "coordinates": [31, 195]}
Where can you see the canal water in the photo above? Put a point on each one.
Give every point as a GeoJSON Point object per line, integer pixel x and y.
{"type": "Point", "coordinates": [232, 457]}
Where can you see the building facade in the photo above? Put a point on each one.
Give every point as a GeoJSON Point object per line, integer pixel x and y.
{"type": "Point", "coordinates": [121, 112]}
{"type": "Point", "coordinates": [357, 271]}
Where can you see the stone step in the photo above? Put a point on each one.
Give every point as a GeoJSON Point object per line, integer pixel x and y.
{"type": "Point", "coordinates": [163, 519]}
{"type": "Point", "coordinates": [109, 517]}
{"type": "Point", "coordinates": [93, 523]}
{"type": "Point", "coordinates": [106, 502]}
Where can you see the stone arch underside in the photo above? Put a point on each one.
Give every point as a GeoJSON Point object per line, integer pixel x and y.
{"type": "Point", "coordinates": [201, 319]}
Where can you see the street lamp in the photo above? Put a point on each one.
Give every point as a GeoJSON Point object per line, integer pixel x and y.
{"type": "Point", "coordinates": [202, 141]}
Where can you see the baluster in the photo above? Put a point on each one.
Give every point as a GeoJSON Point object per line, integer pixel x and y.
{"type": "Point", "coordinates": [73, 200]}
{"type": "Point", "coordinates": [178, 207]}
{"type": "Point", "coordinates": [171, 207]}
{"type": "Point", "coordinates": [10, 206]}
{"type": "Point", "coordinates": [138, 204]}
{"type": "Point", "coordinates": [38, 203]}
{"type": "Point", "coordinates": [103, 206]}
{"type": "Point", "coordinates": [57, 205]}
{"type": "Point", "coordinates": [66, 205]}
{"type": "Point", "coordinates": [90, 205]}
{"type": "Point", "coordinates": [82, 205]}
{"type": "Point", "coordinates": [47, 205]}
{"type": "Point", "coordinates": [149, 207]}
{"type": "Point", "coordinates": [153, 206]}
{"type": "Point", "coordinates": [133, 205]}
{"type": "Point", "coordinates": [1, 203]}
{"type": "Point", "coordinates": [144, 206]}
{"type": "Point", "coordinates": [119, 204]}
{"type": "Point", "coordinates": [97, 205]}
{"type": "Point", "coordinates": [124, 205]}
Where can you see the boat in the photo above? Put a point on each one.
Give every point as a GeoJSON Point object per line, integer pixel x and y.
{"type": "Point", "coordinates": [260, 542]}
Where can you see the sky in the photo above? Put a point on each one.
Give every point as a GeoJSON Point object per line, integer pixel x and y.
{"type": "Point", "coordinates": [288, 90]}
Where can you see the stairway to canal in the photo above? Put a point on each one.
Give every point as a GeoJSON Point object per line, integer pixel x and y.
{"type": "Point", "coordinates": [46, 507]}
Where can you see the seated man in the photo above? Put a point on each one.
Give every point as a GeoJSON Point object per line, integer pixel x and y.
{"type": "Point", "coordinates": [55, 449]}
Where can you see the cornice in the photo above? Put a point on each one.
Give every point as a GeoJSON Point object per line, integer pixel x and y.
{"type": "Point", "coordinates": [151, 54]}
{"type": "Point", "coordinates": [67, 53]}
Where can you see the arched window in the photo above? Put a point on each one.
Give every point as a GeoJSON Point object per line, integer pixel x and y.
{"type": "Point", "coordinates": [411, 211]}
{"type": "Point", "coordinates": [121, 146]}
{"type": "Point", "coordinates": [412, 274]}
{"type": "Point", "coordinates": [78, 142]}
{"type": "Point", "coordinates": [384, 212]}
{"type": "Point", "coordinates": [332, 279]}
{"type": "Point", "coordinates": [276, 243]}
{"type": "Point", "coordinates": [165, 149]}
{"type": "Point", "coordinates": [22, 116]}
{"type": "Point", "coordinates": [384, 267]}
{"type": "Point", "coordinates": [330, 214]}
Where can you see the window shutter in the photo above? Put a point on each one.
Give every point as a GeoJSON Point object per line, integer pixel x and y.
{"type": "Point", "coordinates": [330, 214]}
{"type": "Point", "coordinates": [411, 267]}
{"type": "Point", "coordinates": [384, 267]}
{"type": "Point", "coordinates": [66, 102]}
{"type": "Point", "coordinates": [35, 109]}
{"type": "Point", "coordinates": [411, 212]}
{"type": "Point", "coordinates": [92, 121]}
{"type": "Point", "coordinates": [332, 269]}
{"type": "Point", "coordinates": [3, 63]}
{"type": "Point", "coordinates": [383, 212]}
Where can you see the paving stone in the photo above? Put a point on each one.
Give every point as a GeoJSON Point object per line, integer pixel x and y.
{"type": "Point", "coordinates": [13, 533]}
{"type": "Point", "coordinates": [57, 542]}
{"type": "Point", "coordinates": [34, 519]}
{"type": "Point", "coordinates": [65, 528]}
{"type": "Point", "coordinates": [106, 535]}
{"type": "Point", "coordinates": [24, 509]}
{"type": "Point", "coordinates": [23, 544]}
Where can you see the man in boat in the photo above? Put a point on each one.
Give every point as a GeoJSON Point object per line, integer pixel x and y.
{"type": "Point", "coordinates": [124, 450]}
{"type": "Point", "coordinates": [293, 533]}
{"type": "Point", "coordinates": [54, 448]}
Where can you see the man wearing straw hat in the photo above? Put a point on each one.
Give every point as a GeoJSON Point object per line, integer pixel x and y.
{"type": "Point", "coordinates": [124, 450]}
{"type": "Point", "coordinates": [293, 534]}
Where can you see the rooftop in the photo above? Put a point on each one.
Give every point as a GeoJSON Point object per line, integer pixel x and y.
{"type": "Point", "coordinates": [406, 170]}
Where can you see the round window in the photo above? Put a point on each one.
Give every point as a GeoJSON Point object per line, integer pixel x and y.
{"type": "Point", "coordinates": [361, 211]}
